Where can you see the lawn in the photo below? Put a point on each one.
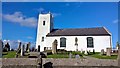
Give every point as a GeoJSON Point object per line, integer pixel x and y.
{"type": "Point", "coordinates": [10, 54]}
{"type": "Point", "coordinates": [64, 55]}
{"type": "Point", "coordinates": [103, 56]}
{"type": "Point", "coordinates": [58, 56]}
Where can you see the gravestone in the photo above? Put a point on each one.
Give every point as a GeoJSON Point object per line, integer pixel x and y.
{"type": "Point", "coordinates": [1, 45]}
{"type": "Point", "coordinates": [54, 47]}
{"type": "Point", "coordinates": [119, 55]}
{"type": "Point", "coordinates": [28, 47]}
{"type": "Point", "coordinates": [70, 55]}
{"type": "Point", "coordinates": [22, 50]}
{"type": "Point", "coordinates": [102, 52]}
{"type": "Point", "coordinates": [19, 45]}
{"type": "Point", "coordinates": [86, 52]}
{"type": "Point", "coordinates": [38, 48]}
{"type": "Point", "coordinates": [77, 56]}
{"type": "Point", "coordinates": [108, 51]}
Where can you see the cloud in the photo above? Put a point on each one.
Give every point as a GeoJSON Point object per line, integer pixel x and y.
{"type": "Point", "coordinates": [14, 43]}
{"type": "Point", "coordinates": [115, 21]}
{"type": "Point", "coordinates": [44, 10]}
{"type": "Point", "coordinates": [56, 14]}
{"type": "Point", "coordinates": [29, 37]}
{"type": "Point", "coordinates": [40, 9]}
{"type": "Point", "coordinates": [21, 19]}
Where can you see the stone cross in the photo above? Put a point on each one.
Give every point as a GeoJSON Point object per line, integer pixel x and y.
{"type": "Point", "coordinates": [108, 51]}
{"type": "Point", "coordinates": [54, 47]}
{"type": "Point", "coordinates": [76, 44]}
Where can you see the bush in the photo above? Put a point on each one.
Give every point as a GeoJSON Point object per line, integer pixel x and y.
{"type": "Point", "coordinates": [49, 52]}
{"type": "Point", "coordinates": [12, 49]}
{"type": "Point", "coordinates": [5, 49]}
{"type": "Point", "coordinates": [78, 52]}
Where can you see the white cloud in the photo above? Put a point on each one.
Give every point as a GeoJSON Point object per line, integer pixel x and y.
{"type": "Point", "coordinates": [56, 14]}
{"type": "Point", "coordinates": [40, 9]}
{"type": "Point", "coordinates": [115, 21]}
{"type": "Point", "coordinates": [21, 19]}
{"type": "Point", "coordinates": [29, 37]}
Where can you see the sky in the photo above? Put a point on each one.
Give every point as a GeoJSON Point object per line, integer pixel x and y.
{"type": "Point", "coordinates": [19, 19]}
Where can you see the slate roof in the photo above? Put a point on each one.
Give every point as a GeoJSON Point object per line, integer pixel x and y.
{"type": "Point", "coordinates": [98, 31]}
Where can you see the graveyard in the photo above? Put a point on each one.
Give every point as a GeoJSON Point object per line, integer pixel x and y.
{"type": "Point", "coordinates": [32, 58]}
{"type": "Point", "coordinates": [24, 51]}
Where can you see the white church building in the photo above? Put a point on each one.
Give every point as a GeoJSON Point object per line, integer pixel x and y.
{"type": "Point", "coordinates": [87, 38]}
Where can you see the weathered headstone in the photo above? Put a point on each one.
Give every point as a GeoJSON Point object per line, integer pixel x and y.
{"type": "Point", "coordinates": [108, 51]}
{"type": "Point", "coordinates": [102, 52]}
{"type": "Point", "coordinates": [38, 48]}
{"type": "Point", "coordinates": [22, 50]}
{"type": "Point", "coordinates": [86, 52]}
{"type": "Point", "coordinates": [93, 51]}
{"type": "Point", "coordinates": [28, 47]}
{"type": "Point", "coordinates": [19, 45]}
{"type": "Point", "coordinates": [77, 56]}
{"type": "Point", "coordinates": [70, 55]}
{"type": "Point", "coordinates": [119, 55]}
{"type": "Point", "coordinates": [54, 47]}
{"type": "Point", "coordinates": [1, 45]}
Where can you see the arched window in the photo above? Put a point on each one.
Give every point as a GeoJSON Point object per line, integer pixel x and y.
{"type": "Point", "coordinates": [62, 42]}
{"type": "Point", "coordinates": [90, 43]}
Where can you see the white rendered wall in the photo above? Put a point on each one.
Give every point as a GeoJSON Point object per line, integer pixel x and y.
{"type": "Point", "coordinates": [100, 42]}
{"type": "Point", "coordinates": [43, 30]}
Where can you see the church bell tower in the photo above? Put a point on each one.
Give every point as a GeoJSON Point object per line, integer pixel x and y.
{"type": "Point", "coordinates": [45, 26]}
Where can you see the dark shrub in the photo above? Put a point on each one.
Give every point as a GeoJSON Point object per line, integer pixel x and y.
{"type": "Point", "coordinates": [12, 49]}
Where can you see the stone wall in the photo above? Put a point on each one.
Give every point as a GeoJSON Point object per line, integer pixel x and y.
{"type": "Point", "coordinates": [58, 63]}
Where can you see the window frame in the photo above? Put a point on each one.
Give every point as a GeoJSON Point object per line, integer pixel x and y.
{"type": "Point", "coordinates": [90, 42]}
{"type": "Point", "coordinates": [62, 42]}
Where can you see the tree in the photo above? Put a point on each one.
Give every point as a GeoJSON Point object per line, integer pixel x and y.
{"type": "Point", "coordinates": [6, 48]}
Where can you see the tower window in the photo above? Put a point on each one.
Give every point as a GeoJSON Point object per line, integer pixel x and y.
{"type": "Point", "coordinates": [90, 43]}
{"type": "Point", "coordinates": [43, 22]}
{"type": "Point", "coordinates": [42, 39]}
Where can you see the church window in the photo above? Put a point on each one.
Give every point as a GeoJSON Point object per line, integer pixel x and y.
{"type": "Point", "coordinates": [90, 42]}
{"type": "Point", "coordinates": [62, 42]}
{"type": "Point", "coordinates": [42, 38]}
{"type": "Point", "coordinates": [43, 22]}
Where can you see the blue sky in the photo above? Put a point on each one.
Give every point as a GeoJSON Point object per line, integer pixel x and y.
{"type": "Point", "coordinates": [20, 19]}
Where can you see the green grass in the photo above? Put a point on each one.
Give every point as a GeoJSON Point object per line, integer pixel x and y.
{"type": "Point", "coordinates": [10, 54]}
{"type": "Point", "coordinates": [64, 55]}
{"type": "Point", "coordinates": [103, 56]}
{"type": "Point", "coordinates": [58, 56]}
